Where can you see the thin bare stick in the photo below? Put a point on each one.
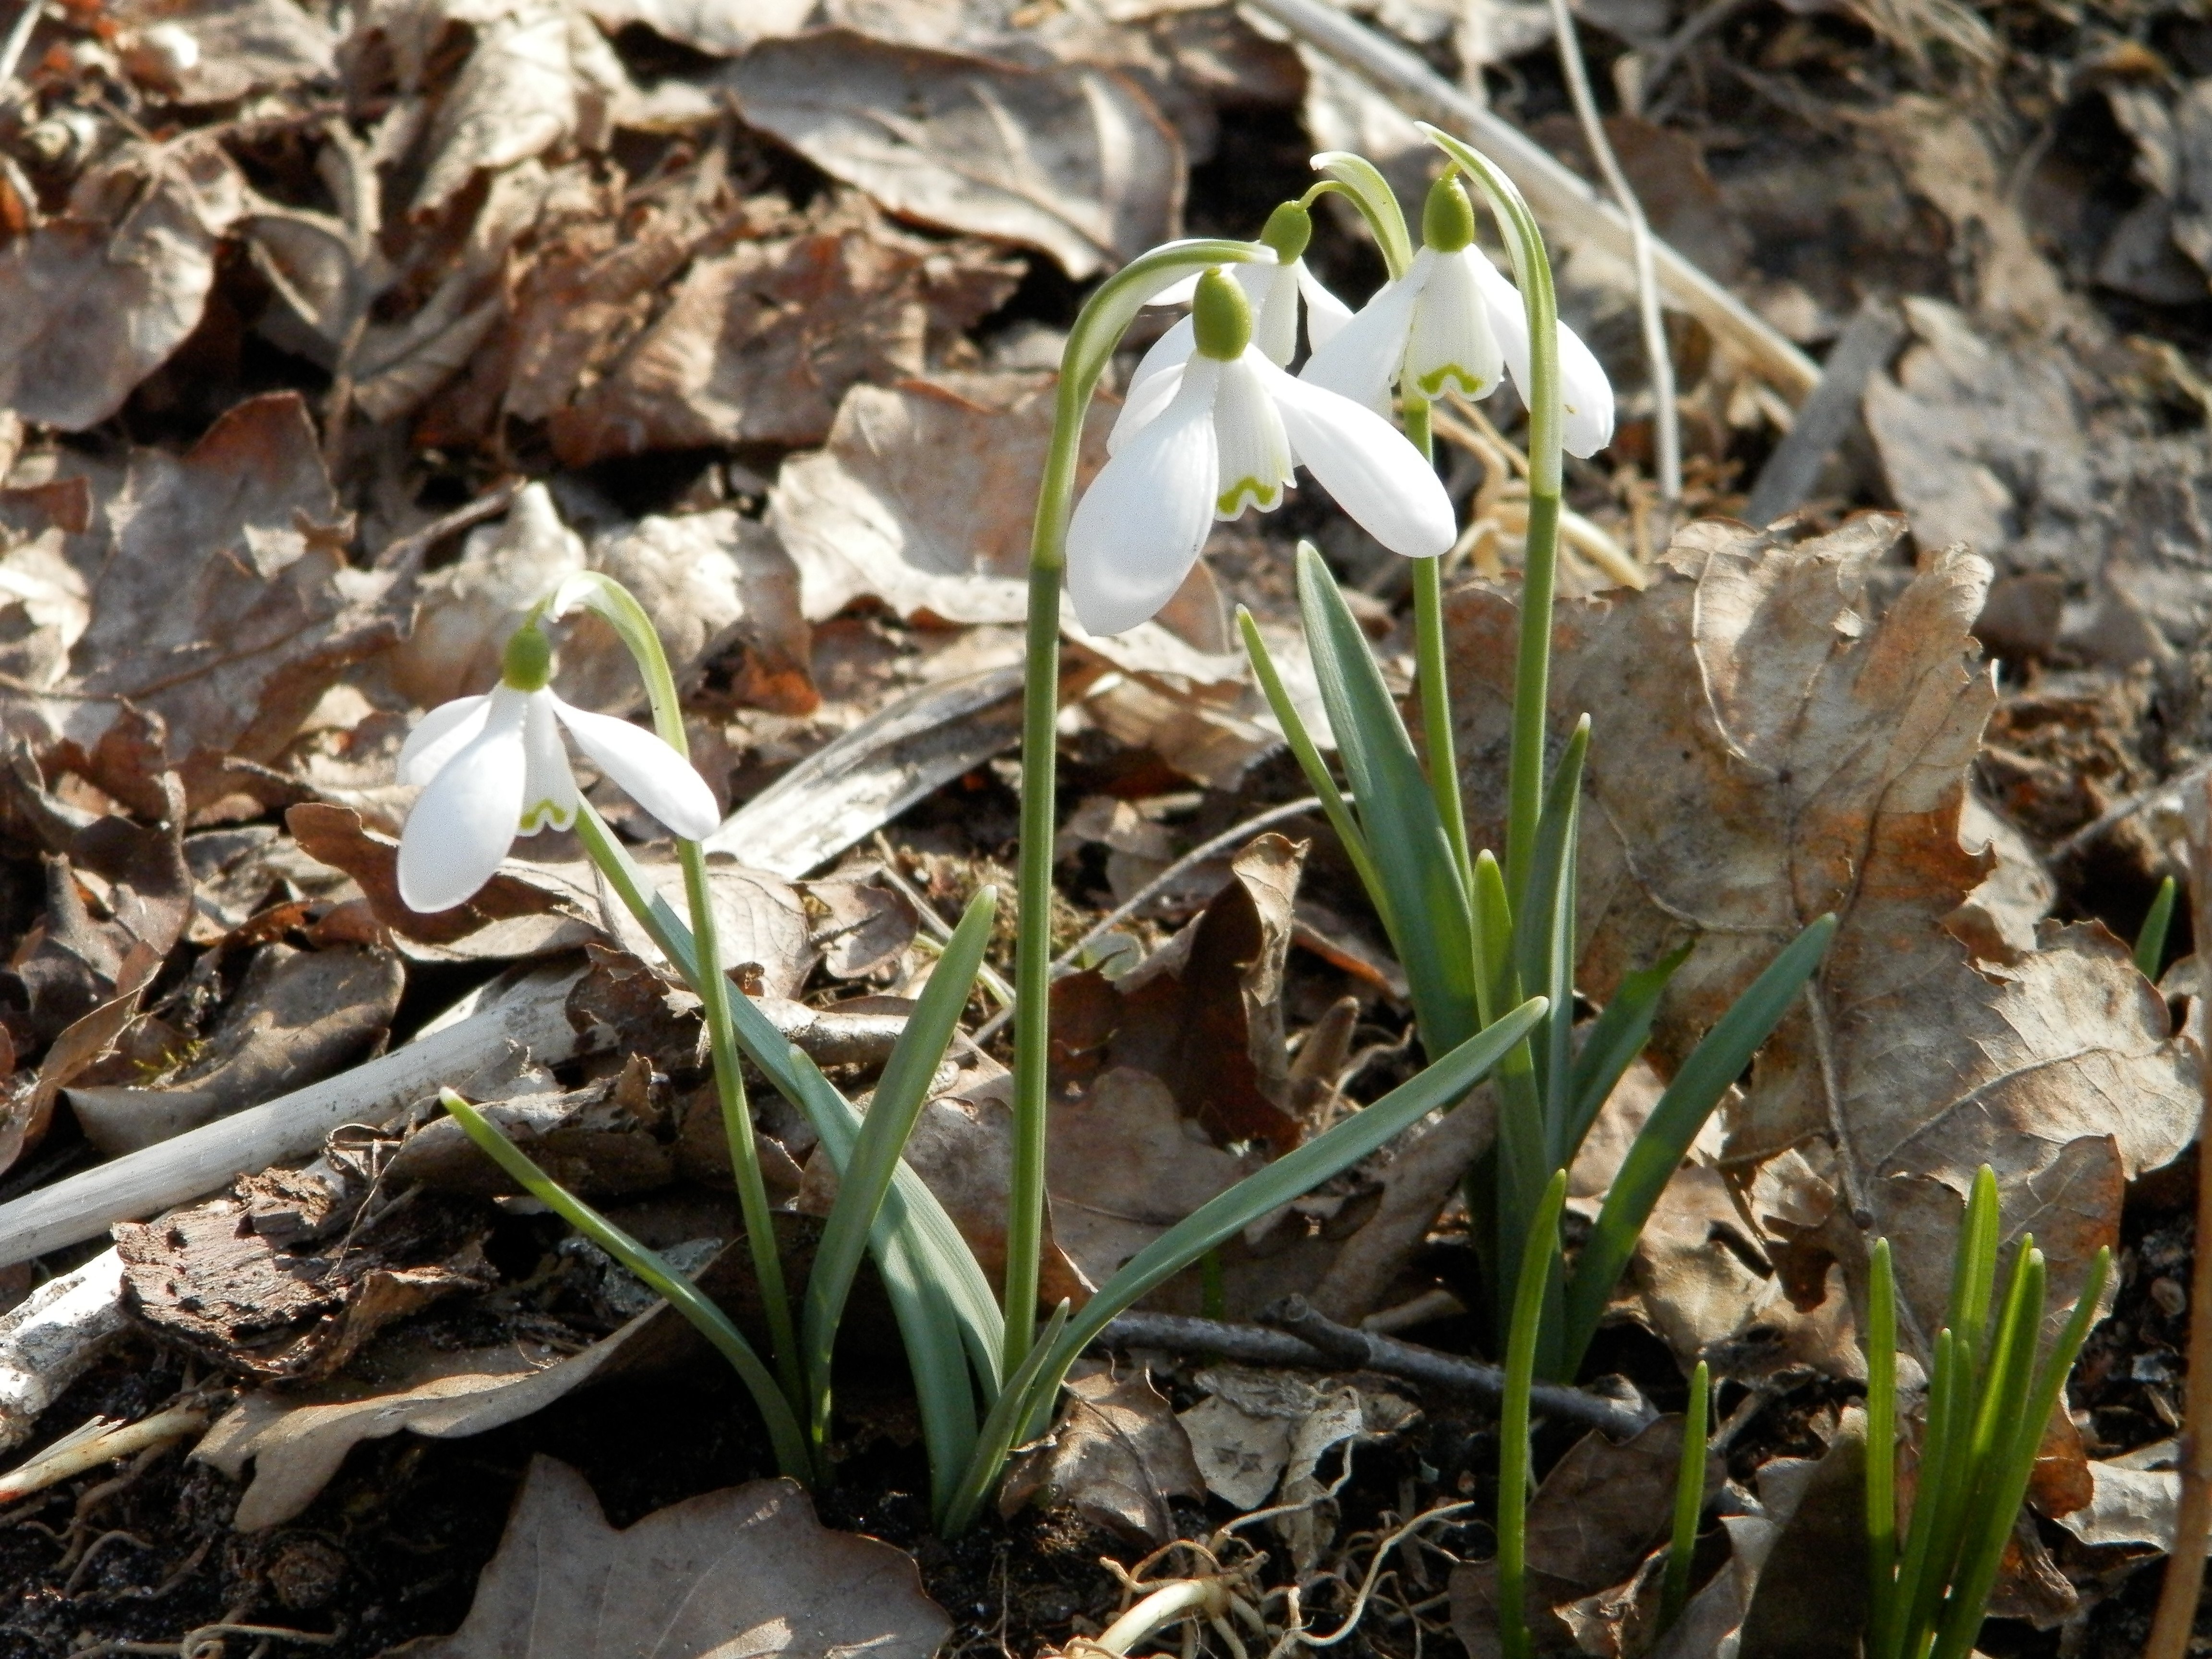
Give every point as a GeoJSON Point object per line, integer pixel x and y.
{"type": "Point", "coordinates": [1666, 422]}
{"type": "Point", "coordinates": [2192, 1522]}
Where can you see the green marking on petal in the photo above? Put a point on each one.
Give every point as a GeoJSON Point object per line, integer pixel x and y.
{"type": "Point", "coordinates": [1433, 382]}
{"type": "Point", "coordinates": [1232, 500]}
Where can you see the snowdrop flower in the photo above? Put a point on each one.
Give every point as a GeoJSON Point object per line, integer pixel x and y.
{"type": "Point", "coordinates": [1453, 321]}
{"type": "Point", "coordinates": [1228, 431]}
{"type": "Point", "coordinates": [1274, 293]}
{"type": "Point", "coordinates": [492, 766]}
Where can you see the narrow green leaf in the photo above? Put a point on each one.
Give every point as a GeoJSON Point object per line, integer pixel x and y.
{"type": "Point", "coordinates": [865, 1178]}
{"type": "Point", "coordinates": [1412, 855]}
{"type": "Point", "coordinates": [1665, 1139]}
{"type": "Point", "coordinates": [792, 1455]}
{"type": "Point", "coordinates": [1540, 1259]}
{"type": "Point", "coordinates": [1030, 1386]}
{"type": "Point", "coordinates": [1614, 1039]}
{"type": "Point", "coordinates": [1919, 1578]}
{"type": "Point", "coordinates": [1521, 1164]}
{"type": "Point", "coordinates": [1544, 936]}
{"type": "Point", "coordinates": [1302, 745]}
{"type": "Point", "coordinates": [2004, 1481]}
{"type": "Point", "coordinates": [941, 1256]}
{"type": "Point", "coordinates": [1974, 1267]}
{"type": "Point", "coordinates": [1689, 1497]}
{"type": "Point", "coordinates": [2150, 943]}
{"type": "Point", "coordinates": [1881, 1446]}
{"type": "Point", "coordinates": [1438, 1084]}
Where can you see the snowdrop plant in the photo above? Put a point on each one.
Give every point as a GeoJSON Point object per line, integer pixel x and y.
{"type": "Point", "coordinates": [1475, 930]}
{"type": "Point", "coordinates": [488, 776]}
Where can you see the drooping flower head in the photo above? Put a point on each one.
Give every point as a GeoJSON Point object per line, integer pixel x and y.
{"type": "Point", "coordinates": [494, 767]}
{"type": "Point", "coordinates": [1277, 294]}
{"type": "Point", "coordinates": [1451, 323]}
{"type": "Point", "coordinates": [1223, 429]}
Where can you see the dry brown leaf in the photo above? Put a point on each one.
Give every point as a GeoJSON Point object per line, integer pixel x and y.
{"type": "Point", "coordinates": [298, 1017]}
{"type": "Point", "coordinates": [527, 76]}
{"type": "Point", "coordinates": [221, 608]}
{"type": "Point", "coordinates": [596, 1141]}
{"type": "Point", "coordinates": [717, 585]}
{"type": "Point", "coordinates": [238, 47]}
{"type": "Point", "coordinates": [756, 345]}
{"type": "Point", "coordinates": [710, 26]}
{"type": "Point", "coordinates": [297, 1441]}
{"type": "Point", "coordinates": [747, 1570]}
{"type": "Point", "coordinates": [1598, 1513]}
{"type": "Point", "coordinates": [1116, 1457]}
{"type": "Point", "coordinates": [93, 301]}
{"type": "Point", "coordinates": [870, 517]}
{"type": "Point", "coordinates": [1763, 752]}
{"type": "Point", "coordinates": [1072, 160]}
{"type": "Point", "coordinates": [2020, 448]}
{"type": "Point", "coordinates": [1203, 1013]}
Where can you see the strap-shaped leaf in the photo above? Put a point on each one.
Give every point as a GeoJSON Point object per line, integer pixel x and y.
{"type": "Point", "coordinates": [941, 1257]}
{"type": "Point", "coordinates": [1659, 1148]}
{"type": "Point", "coordinates": [1308, 753]}
{"type": "Point", "coordinates": [1614, 1039]}
{"type": "Point", "coordinates": [1544, 936]}
{"type": "Point", "coordinates": [1413, 856]}
{"type": "Point", "coordinates": [865, 1178]}
{"type": "Point", "coordinates": [792, 1455]}
{"type": "Point", "coordinates": [1438, 1086]}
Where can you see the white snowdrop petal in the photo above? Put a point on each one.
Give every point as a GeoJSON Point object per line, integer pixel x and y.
{"type": "Point", "coordinates": [464, 820]}
{"type": "Point", "coordinates": [1378, 477]}
{"type": "Point", "coordinates": [1151, 388]}
{"type": "Point", "coordinates": [1178, 293]}
{"type": "Point", "coordinates": [548, 784]}
{"type": "Point", "coordinates": [653, 775]}
{"type": "Point", "coordinates": [1325, 315]}
{"type": "Point", "coordinates": [1139, 528]}
{"type": "Point", "coordinates": [442, 734]}
{"type": "Point", "coordinates": [1451, 342]}
{"type": "Point", "coordinates": [1585, 393]}
{"type": "Point", "coordinates": [1274, 311]}
{"type": "Point", "coordinates": [1585, 398]}
{"type": "Point", "coordinates": [1362, 359]}
{"type": "Point", "coordinates": [1254, 455]}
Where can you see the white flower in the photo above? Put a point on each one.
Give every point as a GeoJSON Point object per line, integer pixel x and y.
{"type": "Point", "coordinates": [1453, 321]}
{"type": "Point", "coordinates": [494, 767]}
{"type": "Point", "coordinates": [1226, 430]}
{"type": "Point", "coordinates": [1273, 291]}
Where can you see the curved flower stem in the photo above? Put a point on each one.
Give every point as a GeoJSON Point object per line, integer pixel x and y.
{"type": "Point", "coordinates": [1432, 680]}
{"type": "Point", "coordinates": [613, 602]}
{"type": "Point", "coordinates": [1531, 676]}
{"type": "Point", "coordinates": [1105, 316]}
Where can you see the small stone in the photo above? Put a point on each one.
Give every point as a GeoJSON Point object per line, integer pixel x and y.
{"type": "Point", "coordinates": [2172, 1300]}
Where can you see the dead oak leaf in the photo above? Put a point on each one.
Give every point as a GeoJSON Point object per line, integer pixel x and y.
{"type": "Point", "coordinates": [1117, 1456]}
{"type": "Point", "coordinates": [758, 344]}
{"type": "Point", "coordinates": [1071, 159]}
{"type": "Point", "coordinates": [747, 1570]}
{"type": "Point", "coordinates": [1764, 751]}
{"type": "Point", "coordinates": [221, 607]}
{"type": "Point", "coordinates": [93, 301]}
{"type": "Point", "coordinates": [243, 46]}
